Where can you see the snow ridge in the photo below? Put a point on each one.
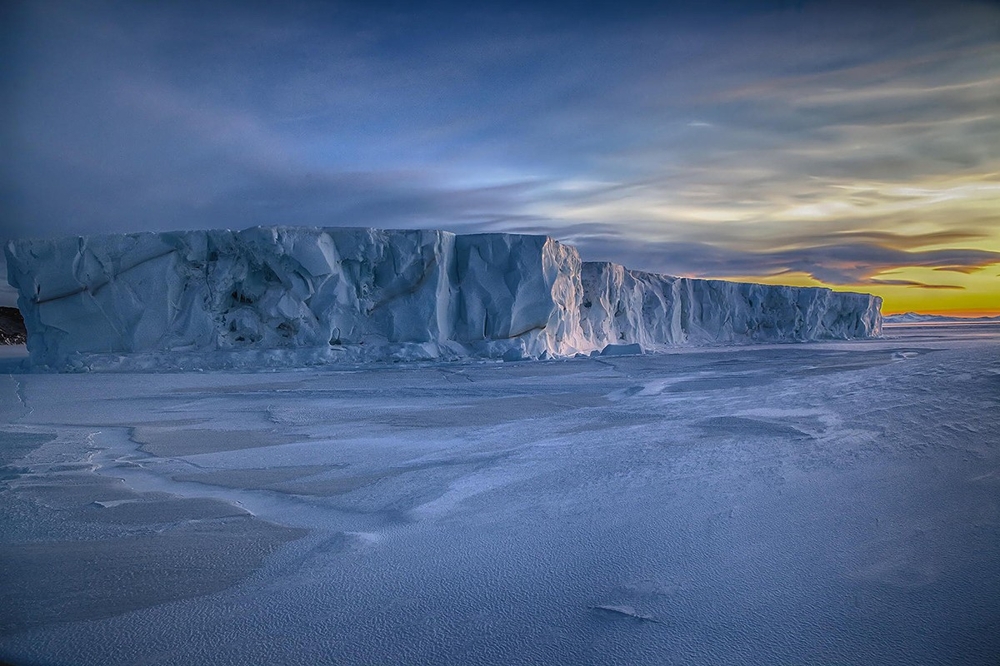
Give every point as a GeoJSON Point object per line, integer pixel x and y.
{"type": "Point", "coordinates": [326, 294]}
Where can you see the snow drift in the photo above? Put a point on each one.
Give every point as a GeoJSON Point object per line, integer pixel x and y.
{"type": "Point", "coordinates": [366, 294]}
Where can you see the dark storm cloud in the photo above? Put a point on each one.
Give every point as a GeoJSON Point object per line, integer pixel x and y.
{"type": "Point", "coordinates": [740, 138]}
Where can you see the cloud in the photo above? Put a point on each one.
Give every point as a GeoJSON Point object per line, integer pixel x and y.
{"type": "Point", "coordinates": [967, 270]}
{"type": "Point", "coordinates": [846, 264]}
{"type": "Point", "coordinates": [913, 283]}
{"type": "Point", "coordinates": [902, 241]}
{"type": "Point", "coordinates": [744, 139]}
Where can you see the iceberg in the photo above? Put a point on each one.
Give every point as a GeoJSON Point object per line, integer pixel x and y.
{"type": "Point", "coordinates": [297, 294]}
{"type": "Point", "coordinates": [622, 306]}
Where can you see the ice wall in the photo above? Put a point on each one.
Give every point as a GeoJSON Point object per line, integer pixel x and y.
{"type": "Point", "coordinates": [622, 306]}
{"type": "Point", "coordinates": [360, 294]}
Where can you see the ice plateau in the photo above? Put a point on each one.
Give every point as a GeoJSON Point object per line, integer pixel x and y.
{"type": "Point", "coordinates": [327, 294]}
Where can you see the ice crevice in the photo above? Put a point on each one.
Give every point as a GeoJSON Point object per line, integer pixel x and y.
{"type": "Point", "coordinates": [299, 295]}
{"type": "Point", "coordinates": [22, 397]}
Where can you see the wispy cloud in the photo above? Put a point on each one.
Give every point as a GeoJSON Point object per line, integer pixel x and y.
{"type": "Point", "coordinates": [846, 264]}
{"type": "Point", "coordinates": [732, 140]}
{"type": "Point", "coordinates": [965, 270]}
{"type": "Point", "coordinates": [915, 284]}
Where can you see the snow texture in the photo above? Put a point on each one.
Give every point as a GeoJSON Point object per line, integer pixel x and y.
{"type": "Point", "coordinates": [367, 294]}
{"type": "Point", "coordinates": [831, 503]}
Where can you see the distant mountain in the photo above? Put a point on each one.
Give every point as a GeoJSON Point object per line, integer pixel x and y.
{"type": "Point", "coordinates": [917, 318]}
{"type": "Point", "coordinates": [11, 327]}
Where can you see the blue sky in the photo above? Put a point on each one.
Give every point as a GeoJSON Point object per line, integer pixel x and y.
{"type": "Point", "coordinates": [798, 142]}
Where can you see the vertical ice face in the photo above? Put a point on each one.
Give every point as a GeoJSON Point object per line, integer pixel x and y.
{"type": "Point", "coordinates": [519, 289]}
{"type": "Point", "coordinates": [109, 293]}
{"type": "Point", "coordinates": [483, 294]}
{"type": "Point", "coordinates": [621, 306]}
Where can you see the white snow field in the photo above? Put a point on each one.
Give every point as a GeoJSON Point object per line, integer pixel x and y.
{"type": "Point", "coordinates": [815, 503]}
{"type": "Point", "coordinates": [280, 295]}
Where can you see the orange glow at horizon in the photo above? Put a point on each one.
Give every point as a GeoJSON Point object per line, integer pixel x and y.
{"type": "Point", "coordinates": [978, 295]}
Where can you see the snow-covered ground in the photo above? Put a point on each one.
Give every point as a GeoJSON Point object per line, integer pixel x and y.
{"type": "Point", "coordinates": [808, 503]}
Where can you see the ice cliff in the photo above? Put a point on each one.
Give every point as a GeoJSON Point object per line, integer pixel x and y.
{"type": "Point", "coordinates": [362, 294]}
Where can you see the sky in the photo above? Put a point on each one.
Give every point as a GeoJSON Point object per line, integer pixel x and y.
{"type": "Point", "coordinates": [807, 143]}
